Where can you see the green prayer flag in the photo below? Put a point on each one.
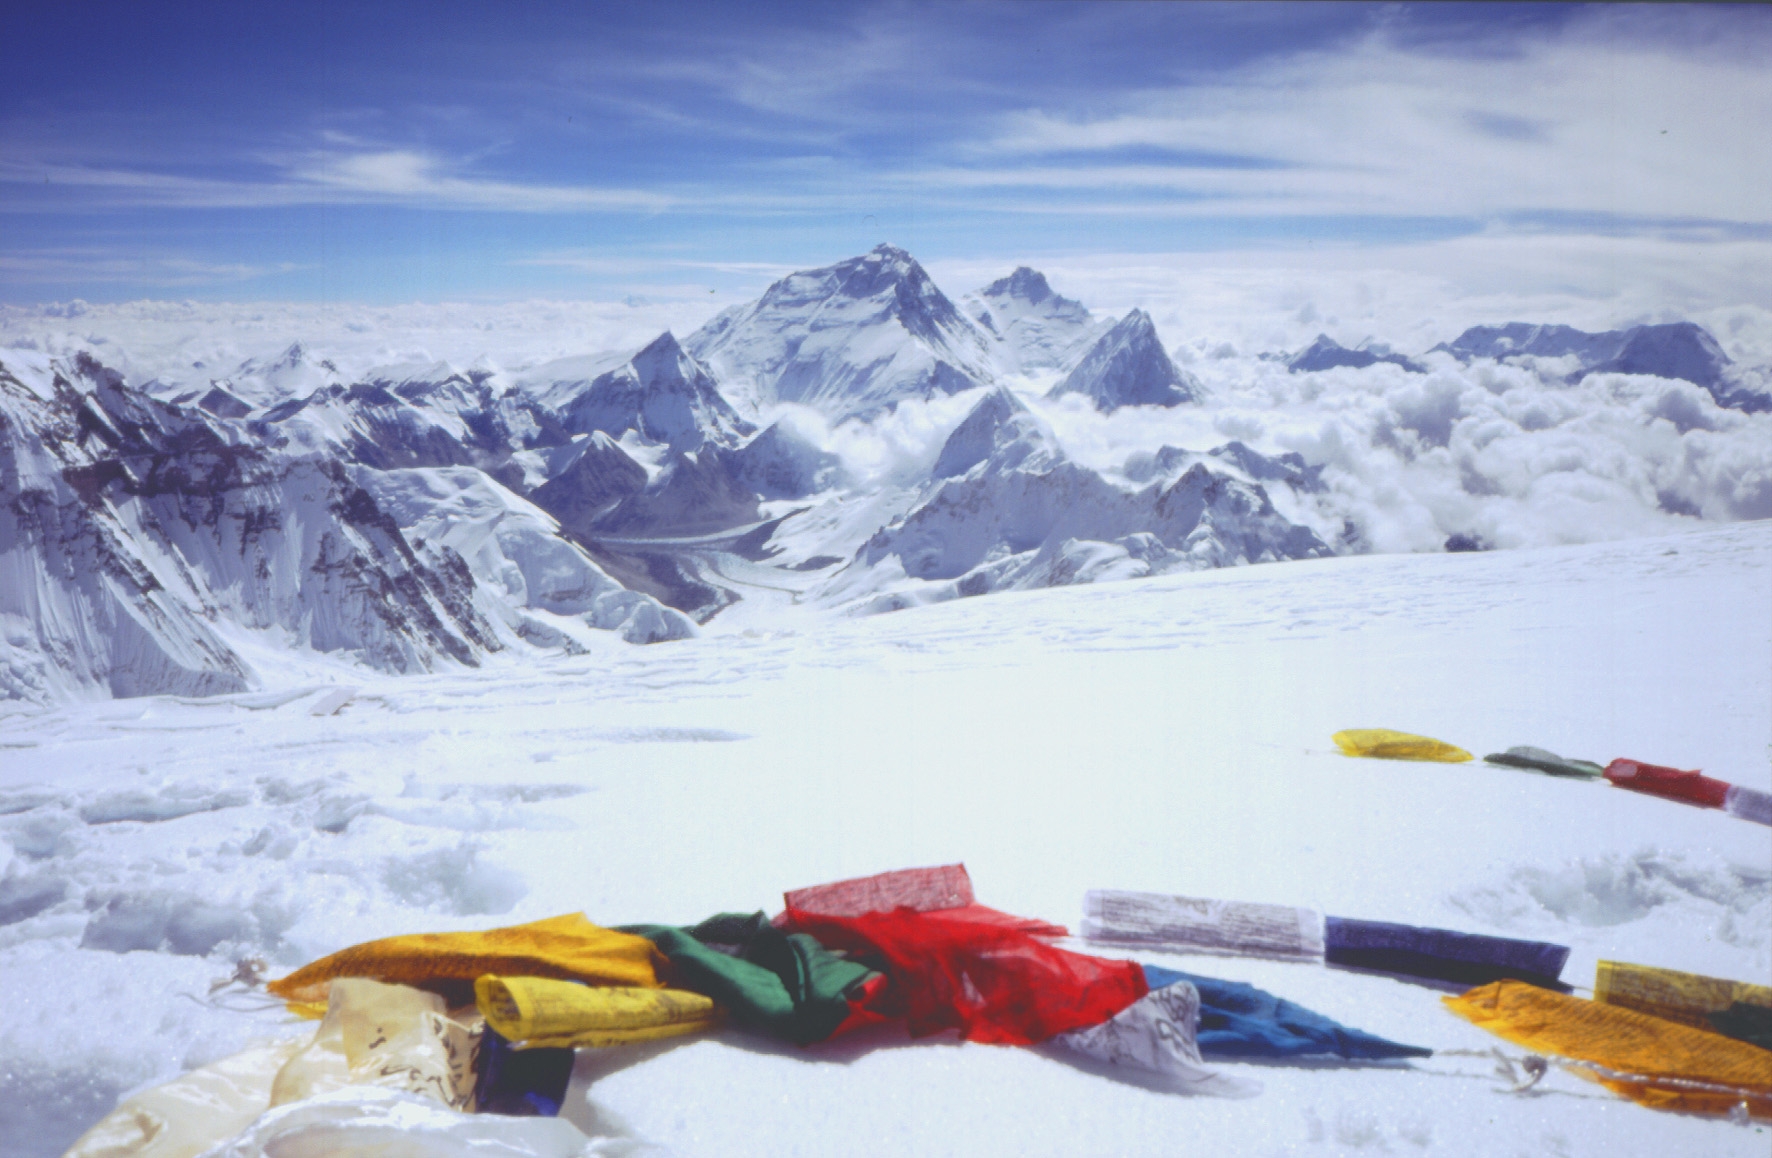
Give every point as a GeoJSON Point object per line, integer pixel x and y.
{"type": "Point", "coordinates": [785, 985]}
{"type": "Point", "coordinates": [1538, 760]}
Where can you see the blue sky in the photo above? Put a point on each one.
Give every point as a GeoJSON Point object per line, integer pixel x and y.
{"type": "Point", "coordinates": [389, 152]}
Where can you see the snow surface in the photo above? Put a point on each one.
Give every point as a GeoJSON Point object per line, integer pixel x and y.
{"type": "Point", "coordinates": [1166, 734]}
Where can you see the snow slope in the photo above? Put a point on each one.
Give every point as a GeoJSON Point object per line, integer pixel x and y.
{"type": "Point", "coordinates": [1169, 734]}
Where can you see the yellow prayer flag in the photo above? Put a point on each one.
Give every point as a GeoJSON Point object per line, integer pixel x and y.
{"type": "Point", "coordinates": [1389, 745]}
{"type": "Point", "coordinates": [1651, 1061]}
{"type": "Point", "coordinates": [569, 948]}
{"type": "Point", "coordinates": [538, 1011]}
{"type": "Point", "coordinates": [1668, 993]}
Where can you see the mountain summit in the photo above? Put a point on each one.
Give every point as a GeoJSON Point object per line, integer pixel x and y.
{"type": "Point", "coordinates": [662, 394]}
{"type": "Point", "coordinates": [1034, 327]}
{"type": "Point", "coordinates": [1327, 354]}
{"type": "Point", "coordinates": [1129, 367]}
{"type": "Point", "coordinates": [848, 339]}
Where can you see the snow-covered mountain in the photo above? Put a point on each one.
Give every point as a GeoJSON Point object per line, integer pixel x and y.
{"type": "Point", "coordinates": [149, 548]}
{"type": "Point", "coordinates": [1678, 350]}
{"type": "Point", "coordinates": [588, 479]}
{"type": "Point", "coordinates": [1032, 328]}
{"type": "Point", "coordinates": [1018, 529]}
{"type": "Point", "coordinates": [413, 416]}
{"type": "Point", "coordinates": [294, 373]}
{"type": "Point", "coordinates": [1002, 433]}
{"type": "Point", "coordinates": [663, 395]}
{"type": "Point", "coordinates": [1288, 469]}
{"type": "Point", "coordinates": [141, 531]}
{"type": "Point", "coordinates": [782, 463]}
{"type": "Point", "coordinates": [529, 580]}
{"type": "Point", "coordinates": [849, 339]}
{"type": "Point", "coordinates": [1327, 354]}
{"type": "Point", "coordinates": [1008, 511]}
{"type": "Point", "coordinates": [169, 537]}
{"type": "Point", "coordinates": [1524, 338]}
{"type": "Point", "coordinates": [1127, 366]}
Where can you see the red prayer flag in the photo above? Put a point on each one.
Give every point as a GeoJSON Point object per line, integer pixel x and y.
{"type": "Point", "coordinates": [1689, 787]}
{"type": "Point", "coordinates": [924, 889]}
{"type": "Point", "coordinates": [966, 970]}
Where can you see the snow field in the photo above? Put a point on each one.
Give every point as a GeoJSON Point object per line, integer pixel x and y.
{"type": "Point", "coordinates": [1169, 734]}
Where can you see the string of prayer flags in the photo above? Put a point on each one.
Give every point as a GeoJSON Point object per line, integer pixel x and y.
{"type": "Point", "coordinates": [1668, 783]}
{"type": "Point", "coordinates": [540, 1011]}
{"type": "Point", "coordinates": [1156, 1034]}
{"type": "Point", "coordinates": [783, 984]}
{"type": "Point", "coordinates": [995, 984]}
{"type": "Point", "coordinates": [567, 948]}
{"type": "Point", "coordinates": [1688, 998]}
{"type": "Point", "coordinates": [936, 889]}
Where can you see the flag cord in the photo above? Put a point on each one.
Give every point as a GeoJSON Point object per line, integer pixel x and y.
{"type": "Point", "coordinates": [1525, 1071]}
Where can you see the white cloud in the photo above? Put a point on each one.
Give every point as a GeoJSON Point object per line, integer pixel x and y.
{"type": "Point", "coordinates": [100, 266]}
{"type": "Point", "coordinates": [168, 339]}
{"type": "Point", "coordinates": [593, 263]}
{"type": "Point", "coordinates": [332, 176]}
{"type": "Point", "coordinates": [1576, 123]}
{"type": "Point", "coordinates": [1507, 454]}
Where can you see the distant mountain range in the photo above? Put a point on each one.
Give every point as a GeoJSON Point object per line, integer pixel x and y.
{"type": "Point", "coordinates": [1677, 350]}
{"type": "Point", "coordinates": [168, 539]}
